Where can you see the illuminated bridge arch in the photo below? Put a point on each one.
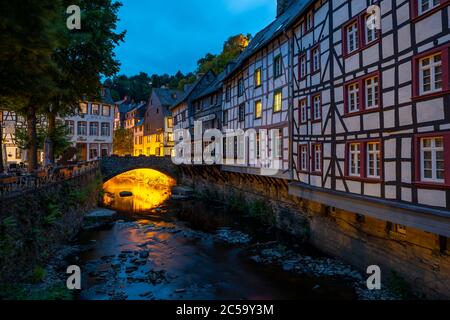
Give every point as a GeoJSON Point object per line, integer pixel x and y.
{"type": "Point", "coordinates": [114, 166]}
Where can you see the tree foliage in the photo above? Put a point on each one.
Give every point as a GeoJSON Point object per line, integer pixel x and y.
{"type": "Point", "coordinates": [123, 142]}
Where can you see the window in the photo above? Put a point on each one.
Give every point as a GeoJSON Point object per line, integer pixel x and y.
{"type": "Point", "coordinates": [352, 37]}
{"type": "Point", "coordinates": [317, 158]}
{"type": "Point", "coordinates": [241, 87]}
{"type": "Point", "coordinates": [169, 123]}
{"type": "Point", "coordinates": [370, 33]}
{"type": "Point", "coordinates": [93, 151]}
{"type": "Point", "coordinates": [70, 128]}
{"type": "Point", "coordinates": [430, 74]}
{"type": "Point", "coordinates": [363, 94]}
{"type": "Point", "coordinates": [258, 80]}
{"type": "Point", "coordinates": [303, 111]}
{"type": "Point", "coordinates": [93, 129]}
{"type": "Point", "coordinates": [228, 94]}
{"type": "Point", "coordinates": [106, 110]}
{"type": "Point", "coordinates": [242, 112]}
{"type": "Point", "coordinates": [83, 108]}
{"type": "Point", "coordinates": [364, 160]}
{"type": "Point", "coordinates": [158, 138]}
{"type": "Point", "coordinates": [225, 117]}
{"type": "Point", "coordinates": [353, 97]}
{"type": "Point", "coordinates": [372, 92]}
{"type": "Point", "coordinates": [427, 5]}
{"type": "Point", "coordinates": [95, 109]}
{"type": "Point", "coordinates": [373, 160]}
{"type": "Point", "coordinates": [302, 66]}
{"type": "Point", "coordinates": [432, 159]}
{"type": "Point", "coordinates": [258, 109]}
{"type": "Point", "coordinates": [105, 129]}
{"type": "Point", "coordinates": [355, 160]}
{"type": "Point", "coordinates": [304, 158]}
{"type": "Point", "coordinates": [277, 101]}
{"type": "Point", "coordinates": [309, 23]}
{"type": "Point", "coordinates": [82, 128]}
{"type": "Point", "coordinates": [277, 67]}
{"type": "Point", "coordinates": [315, 59]}
{"type": "Point", "coordinates": [317, 107]}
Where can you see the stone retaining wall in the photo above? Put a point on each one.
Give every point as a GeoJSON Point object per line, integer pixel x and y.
{"type": "Point", "coordinates": [415, 258]}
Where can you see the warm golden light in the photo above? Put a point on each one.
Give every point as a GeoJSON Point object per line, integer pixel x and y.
{"type": "Point", "coordinates": [150, 188]}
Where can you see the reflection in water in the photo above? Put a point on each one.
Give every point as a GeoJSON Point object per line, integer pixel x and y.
{"type": "Point", "coordinates": [150, 189]}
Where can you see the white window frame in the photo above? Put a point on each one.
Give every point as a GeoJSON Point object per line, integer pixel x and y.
{"type": "Point", "coordinates": [432, 68]}
{"type": "Point", "coordinates": [317, 107]}
{"type": "Point", "coordinates": [352, 37]}
{"type": "Point", "coordinates": [303, 110]}
{"type": "Point", "coordinates": [372, 90]}
{"type": "Point", "coordinates": [374, 157]}
{"type": "Point", "coordinates": [354, 160]}
{"type": "Point", "coordinates": [434, 150]}
{"type": "Point", "coordinates": [316, 59]}
{"type": "Point", "coordinates": [353, 95]}
{"type": "Point", "coordinates": [369, 32]}
{"type": "Point", "coordinates": [431, 3]}
{"type": "Point", "coordinates": [304, 157]}
{"type": "Point", "coordinates": [317, 158]}
{"type": "Point", "coordinates": [303, 66]}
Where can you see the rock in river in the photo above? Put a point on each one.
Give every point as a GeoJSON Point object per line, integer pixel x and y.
{"type": "Point", "coordinates": [126, 194]}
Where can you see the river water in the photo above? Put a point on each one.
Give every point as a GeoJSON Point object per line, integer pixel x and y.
{"type": "Point", "coordinates": [160, 249]}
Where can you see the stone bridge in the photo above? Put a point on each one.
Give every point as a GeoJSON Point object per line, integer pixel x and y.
{"type": "Point", "coordinates": [113, 166]}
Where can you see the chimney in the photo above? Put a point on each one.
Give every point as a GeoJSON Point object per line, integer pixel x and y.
{"type": "Point", "coordinates": [282, 6]}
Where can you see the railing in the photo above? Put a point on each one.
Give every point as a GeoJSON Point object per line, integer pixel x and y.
{"type": "Point", "coordinates": [10, 185]}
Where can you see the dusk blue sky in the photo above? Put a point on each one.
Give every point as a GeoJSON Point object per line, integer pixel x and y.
{"type": "Point", "coordinates": [164, 36]}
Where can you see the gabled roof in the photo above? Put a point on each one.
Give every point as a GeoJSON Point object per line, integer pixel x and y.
{"type": "Point", "coordinates": [213, 87]}
{"type": "Point", "coordinates": [168, 97]}
{"type": "Point", "coordinates": [190, 91]}
{"type": "Point", "coordinates": [277, 27]}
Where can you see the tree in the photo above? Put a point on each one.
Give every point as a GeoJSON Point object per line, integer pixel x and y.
{"type": "Point", "coordinates": [232, 48]}
{"type": "Point", "coordinates": [83, 58]}
{"type": "Point", "coordinates": [29, 34]}
{"type": "Point", "coordinates": [123, 142]}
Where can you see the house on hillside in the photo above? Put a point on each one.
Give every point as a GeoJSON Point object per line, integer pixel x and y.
{"type": "Point", "coordinates": [158, 122]}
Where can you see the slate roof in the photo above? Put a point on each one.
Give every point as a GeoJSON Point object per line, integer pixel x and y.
{"type": "Point", "coordinates": [278, 26]}
{"type": "Point", "coordinates": [213, 87]}
{"type": "Point", "coordinates": [191, 89]}
{"type": "Point", "coordinates": [168, 97]}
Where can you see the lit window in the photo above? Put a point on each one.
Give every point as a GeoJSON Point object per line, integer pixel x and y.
{"type": "Point", "coordinates": [304, 158]}
{"type": "Point", "coordinates": [353, 97]}
{"type": "Point", "coordinates": [352, 38]}
{"type": "Point", "coordinates": [95, 109]}
{"type": "Point", "coordinates": [430, 74]}
{"type": "Point", "coordinates": [317, 158]}
{"type": "Point", "coordinates": [432, 159]}
{"type": "Point", "coordinates": [277, 67]}
{"type": "Point", "coordinates": [277, 101]}
{"type": "Point", "coordinates": [317, 107]}
{"type": "Point", "coordinates": [372, 93]}
{"type": "Point", "coordinates": [427, 5]}
{"type": "Point", "coordinates": [315, 59]}
{"type": "Point", "coordinates": [258, 80]}
{"type": "Point", "coordinates": [303, 111]}
{"type": "Point", "coordinates": [83, 108]}
{"type": "Point", "coordinates": [373, 159]}
{"type": "Point", "coordinates": [258, 109]}
{"type": "Point", "coordinates": [355, 160]}
{"type": "Point", "coordinates": [106, 110]}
